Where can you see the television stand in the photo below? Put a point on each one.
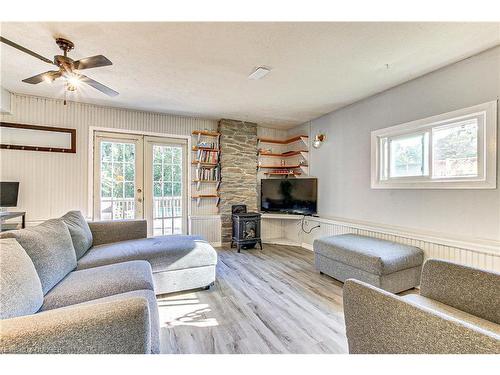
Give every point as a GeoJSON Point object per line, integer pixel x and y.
{"type": "Point", "coordinates": [7, 215]}
{"type": "Point", "coordinates": [281, 229]}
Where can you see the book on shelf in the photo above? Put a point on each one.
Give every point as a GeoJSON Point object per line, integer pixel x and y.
{"type": "Point", "coordinates": [207, 156]}
{"type": "Point", "coordinates": [214, 145]}
{"type": "Point", "coordinates": [208, 174]}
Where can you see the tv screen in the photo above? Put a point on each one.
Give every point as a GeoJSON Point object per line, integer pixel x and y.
{"type": "Point", "coordinates": [8, 194]}
{"type": "Point", "coordinates": [292, 196]}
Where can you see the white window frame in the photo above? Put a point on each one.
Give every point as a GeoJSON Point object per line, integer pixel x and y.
{"type": "Point", "coordinates": [487, 151]}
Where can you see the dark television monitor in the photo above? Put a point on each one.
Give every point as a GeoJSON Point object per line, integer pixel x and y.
{"type": "Point", "coordinates": [291, 195]}
{"type": "Point", "coordinates": [8, 194]}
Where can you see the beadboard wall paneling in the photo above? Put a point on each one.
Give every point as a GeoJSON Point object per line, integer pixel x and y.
{"type": "Point", "coordinates": [53, 183]}
{"type": "Point", "coordinates": [486, 256]}
{"type": "Point", "coordinates": [209, 225]}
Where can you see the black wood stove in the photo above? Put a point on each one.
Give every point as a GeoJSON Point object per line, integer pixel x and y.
{"type": "Point", "coordinates": [246, 228]}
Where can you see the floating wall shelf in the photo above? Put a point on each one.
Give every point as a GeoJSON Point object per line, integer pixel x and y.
{"type": "Point", "coordinates": [282, 166]}
{"type": "Point", "coordinates": [282, 174]}
{"type": "Point", "coordinates": [199, 197]}
{"type": "Point", "coordinates": [204, 164]}
{"type": "Point", "coordinates": [199, 182]}
{"type": "Point", "coordinates": [303, 138]}
{"type": "Point", "coordinates": [284, 154]}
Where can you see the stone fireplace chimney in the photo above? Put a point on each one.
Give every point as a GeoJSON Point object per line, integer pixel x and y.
{"type": "Point", "coordinates": [238, 161]}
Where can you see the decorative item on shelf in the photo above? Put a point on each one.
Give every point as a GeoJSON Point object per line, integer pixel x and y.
{"type": "Point", "coordinates": [318, 140]}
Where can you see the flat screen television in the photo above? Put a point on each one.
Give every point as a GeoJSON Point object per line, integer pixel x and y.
{"type": "Point", "coordinates": [291, 195]}
{"type": "Point", "coordinates": [8, 194]}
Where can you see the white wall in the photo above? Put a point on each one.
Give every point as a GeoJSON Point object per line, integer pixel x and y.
{"type": "Point", "coordinates": [342, 164]}
{"type": "Point", "coordinates": [52, 183]}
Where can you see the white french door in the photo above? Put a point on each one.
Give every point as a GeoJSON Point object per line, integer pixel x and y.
{"type": "Point", "coordinates": [118, 176]}
{"type": "Point", "coordinates": [138, 176]}
{"type": "Point", "coordinates": [166, 185]}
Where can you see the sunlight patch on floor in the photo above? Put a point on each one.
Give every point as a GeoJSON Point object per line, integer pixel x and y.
{"type": "Point", "coordinates": [185, 310]}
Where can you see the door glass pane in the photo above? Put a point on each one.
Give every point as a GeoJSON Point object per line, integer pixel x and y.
{"type": "Point", "coordinates": [117, 190]}
{"type": "Point", "coordinates": [454, 150]}
{"type": "Point", "coordinates": [167, 189]}
{"type": "Point", "coordinates": [407, 156]}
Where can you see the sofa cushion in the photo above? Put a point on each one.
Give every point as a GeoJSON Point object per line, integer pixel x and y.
{"type": "Point", "coordinates": [20, 287]}
{"type": "Point", "coordinates": [164, 253]}
{"type": "Point", "coordinates": [80, 232]}
{"type": "Point", "coordinates": [370, 254]}
{"type": "Point", "coordinates": [98, 282]}
{"type": "Point", "coordinates": [50, 248]}
{"type": "Point", "coordinates": [453, 312]}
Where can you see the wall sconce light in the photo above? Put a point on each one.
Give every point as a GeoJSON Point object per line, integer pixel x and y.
{"type": "Point", "coordinates": [318, 140]}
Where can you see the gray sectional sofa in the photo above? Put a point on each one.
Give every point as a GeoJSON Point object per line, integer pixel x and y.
{"type": "Point", "coordinates": [68, 286]}
{"type": "Point", "coordinates": [456, 312]}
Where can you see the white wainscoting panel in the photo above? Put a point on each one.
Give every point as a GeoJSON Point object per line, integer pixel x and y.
{"type": "Point", "coordinates": [485, 255]}
{"type": "Point", "coordinates": [208, 226]}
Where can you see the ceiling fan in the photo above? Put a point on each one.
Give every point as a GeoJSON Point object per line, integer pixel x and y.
{"type": "Point", "coordinates": [68, 69]}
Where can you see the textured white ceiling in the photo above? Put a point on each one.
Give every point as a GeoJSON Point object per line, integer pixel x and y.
{"type": "Point", "coordinates": [201, 69]}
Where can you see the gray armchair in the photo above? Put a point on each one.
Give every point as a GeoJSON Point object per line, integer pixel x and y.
{"type": "Point", "coordinates": [457, 311]}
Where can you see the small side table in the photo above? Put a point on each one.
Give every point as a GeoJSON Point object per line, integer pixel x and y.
{"type": "Point", "coordinates": [7, 215]}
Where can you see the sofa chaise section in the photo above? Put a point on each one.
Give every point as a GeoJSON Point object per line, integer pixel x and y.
{"type": "Point", "coordinates": [178, 262]}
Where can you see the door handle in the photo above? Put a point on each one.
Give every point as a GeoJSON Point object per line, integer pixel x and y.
{"type": "Point", "coordinates": [139, 190]}
{"type": "Point", "coordinates": [139, 200]}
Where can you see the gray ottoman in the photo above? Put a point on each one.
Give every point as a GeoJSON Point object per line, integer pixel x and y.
{"type": "Point", "coordinates": [384, 264]}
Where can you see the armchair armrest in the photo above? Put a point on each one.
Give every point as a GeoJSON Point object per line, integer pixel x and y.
{"type": "Point", "coordinates": [465, 288]}
{"type": "Point", "coordinates": [380, 322]}
{"type": "Point", "coordinates": [117, 230]}
{"type": "Point", "coordinates": [112, 327]}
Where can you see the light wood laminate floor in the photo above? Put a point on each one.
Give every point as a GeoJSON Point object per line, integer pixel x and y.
{"type": "Point", "coordinates": [270, 301]}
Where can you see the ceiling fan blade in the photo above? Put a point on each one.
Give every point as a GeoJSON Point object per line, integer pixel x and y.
{"type": "Point", "coordinates": [98, 86]}
{"type": "Point", "coordinates": [92, 62]}
{"type": "Point", "coordinates": [25, 50]}
{"type": "Point", "coordinates": [51, 75]}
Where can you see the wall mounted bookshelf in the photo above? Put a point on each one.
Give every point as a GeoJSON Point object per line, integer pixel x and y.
{"type": "Point", "coordinates": [206, 160]}
{"type": "Point", "coordinates": [293, 152]}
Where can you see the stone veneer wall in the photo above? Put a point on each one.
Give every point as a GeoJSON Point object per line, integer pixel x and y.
{"type": "Point", "coordinates": [238, 160]}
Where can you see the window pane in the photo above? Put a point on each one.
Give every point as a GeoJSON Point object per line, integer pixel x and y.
{"type": "Point", "coordinates": [407, 156]}
{"type": "Point", "coordinates": [176, 173]}
{"type": "Point", "coordinates": [167, 189]}
{"type": "Point", "coordinates": [157, 189]}
{"type": "Point", "coordinates": [455, 151]}
{"type": "Point", "coordinates": [129, 172]}
{"type": "Point", "coordinates": [106, 151]}
{"type": "Point", "coordinates": [117, 152]}
{"type": "Point", "coordinates": [129, 190]}
{"type": "Point", "coordinates": [129, 152]}
{"type": "Point", "coordinates": [157, 154]}
{"type": "Point", "coordinates": [167, 173]}
{"type": "Point", "coordinates": [167, 154]}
